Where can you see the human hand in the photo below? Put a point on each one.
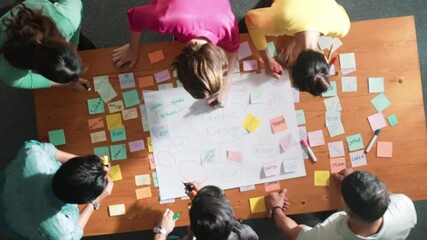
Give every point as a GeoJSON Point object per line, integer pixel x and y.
{"type": "Point", "coordinates": [278, 199]}
{"type": "Point", "coordinates": [272, 68]}
{"type": "Point", "coordinates": [107, 190]}
{"type": "Point", "coordinates": [80, 85]}
{"type": "Point", "coordinates": [287, 53]}
{"type": "Point", "coordinates": [195, 187]}
{"type": "Point", "coordinates": [125, 54]}
{"type": "Point", "coordinates": [339, 176]}
{"type": "Point", "coordinates": [220, 100]}
{"type": "Point", "coordinates": [167, 221]}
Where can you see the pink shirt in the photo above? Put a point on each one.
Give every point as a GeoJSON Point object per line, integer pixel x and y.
{"type": "Point", "coordinates": [188, 19]}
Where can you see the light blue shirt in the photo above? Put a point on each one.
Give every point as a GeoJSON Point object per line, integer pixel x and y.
{"type": "Point", "coordinates": [30, 207]}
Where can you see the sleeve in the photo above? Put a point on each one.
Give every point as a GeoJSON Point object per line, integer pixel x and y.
{"type": "Point", "coordinates": [63, 225]}
{"type": "Point", "coordinates": [341, 25]}
{"type": "Point", "coordinates": [256, 22]}
{"type": "Point", "coordinates": [137, 18]}
{"type": "Point", "coordinates": [235, 39]}
{"type": "Point", "coordinates": [72, 10]}
{"type": "Point", "coordinates": [50, 149]}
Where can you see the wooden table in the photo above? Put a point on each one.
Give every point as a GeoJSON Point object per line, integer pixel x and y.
{"type": "Point", "coordinates": [384, 47]}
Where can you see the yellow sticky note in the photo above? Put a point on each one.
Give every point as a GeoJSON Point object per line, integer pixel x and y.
{"type": "Point", "coordinates": [146, 81]}
{"type": "Point", "coordinates": [257, 205]}
{"type": "Point", "coordinates": [142, 180]}
{"type": "Point", "coordinates": [115, 173]}
{"type": "Point", "coordinates": [156, 56]}
{"type": "Point", "coordinates": [150, 147]}
{"type": "Point", "coordinates": [321, 178]}
{"type": "Point", "coordinates": [251, 122]}
{"type": "Point", "coordinates": [114, 121]}
{"type": "Point", "coordinates": [116, 210]}
{"type": "Point", "coordinates": [143, 192]}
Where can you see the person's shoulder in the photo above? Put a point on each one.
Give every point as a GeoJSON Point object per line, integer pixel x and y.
{"type": "Point", "coordinates": [243, 232]}
{"type": "Point", "coordinates": [400, 198]}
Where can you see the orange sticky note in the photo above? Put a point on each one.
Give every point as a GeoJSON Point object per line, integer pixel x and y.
{"type": "Point", "coordinates": [251, 122]}
{"type": "Point", "coordinates": [321, 178]}
{"type": "Point", "coordinates": [114, 121]}
{"type": "Point", "coordinates": [146, 81]}
{"type": "Point", "coordinates": [143, 192]}
{"type": "Point", "coordinates": [150, 147]}
{"type": "Point", "coordinates": [151, 161]}
{"type": "Point", "coordinates": [384, 149]}
{"type": "Point", "coordinates": [271, 186]}
{"type": "Point", "coordinates": [278, 124]}
{"type": "Point", "coordinates": [337, 164]}
{"type": "Point", "coordinates": [95, 123]}
{"type": "Point", "coordinates": [156, 56]}
{"type": "Point", "coordinates": [257, 205]}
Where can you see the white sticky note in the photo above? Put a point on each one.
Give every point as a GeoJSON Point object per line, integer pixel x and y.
{"type": "Point", "coordinates": [336, 149]}
{"type": "Point", "coordinates": [141, 180]}
{"type": "Point", "coordinates": [376, 84]}
{"type": "Point", "coordinates": [300, 117]}
{"type": "Point", "coordinates": [348, 63]}
{"type": "Point", "coordinates": [325, 42]}
{"type": "Point", "coordinates": [247, 188]}
{"type": "Point", "coordinates": [349, 84]}
{"type": "Point", "coordinates": [116, 210]}
{"type": "Point", "coordinates": [244, 50]}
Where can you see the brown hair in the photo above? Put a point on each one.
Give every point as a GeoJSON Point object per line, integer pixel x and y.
{"type": "Point", "coordinates": [201, 69]}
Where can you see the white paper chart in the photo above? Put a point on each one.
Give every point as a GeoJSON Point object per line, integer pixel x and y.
{"type": "Point", "coordinates": [194, 142]}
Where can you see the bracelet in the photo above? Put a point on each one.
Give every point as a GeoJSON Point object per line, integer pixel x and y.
{"type": "Point", "coordinates": [273, 209]}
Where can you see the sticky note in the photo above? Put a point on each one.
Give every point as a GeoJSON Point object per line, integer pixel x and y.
{"type": "Point", "coordinates": [332, 118]}
{"type": "Point", "coordinates": [179, 84]}
{"type": "Point", "coordinates": [118, 134]}
{"type": "Point", "coordinates": [118, 152]}
{"type": "Point", "coordinates": [271, 168]}
{"type": "Point", "coordinates": [337, 164]}
{"type": "Point", "coordinates": [315, 138]}
{"type": "Point", "coordinates": [244, 50]}
{"type": "Point", "coordinates": [57, 137]}
{"type": "Point", "coordinates": [290, 164]}
{"type": "Point", "coordinates": [115, 173]}
{"type": "Point", "coordinates": [162, 76]}
{"type": "Point", "coordinates": [107, 92]}
{"type": "Point", "coordinates": [257, 205]}
{"type": "Point", "coordinates": [332, 90]}
{"type": "Point", "coordinates": [137, 145]}
{"type": "Point", "coordinates": [271, 48]}
{"type": "Point", "coordinates": [146, 81]}
{"type": "Point", "coordinates": [380, 102]}
{"type": "Point", "coordinates": [167, 201]}
{"type": "Point", "coordinates": [246, 188]}
{"type": "Point", "coordinates": [321, 178]}
{"type": "Point", "coordinates": [164, 86]}
{"type": "Point", "coordinates": [251, 122]}
{"type": "Point", "coordinates": [160, 132]}
{"type": "Point", "coordinates": [235, 156]}
{"type": "Point", "coordinates": [98, 137]}
{"type": "Point", "coordinates": [95, 123]}
{"type": "Point", "coordinates": [144, 179]}
{"type": "Point", "coordinates": [355, 142]}
{"type": "Point", "coordinates": [116, 106]}
{"type": "Point", "coordinates": [384, 149]}
{"type": "Point", "coordinates": [156, 56]}
{"type": "Point", "coordinates": [95, 105]}
{"type": "Point", "coordinates": [325, 42]}
{"type": "Point", "coordinates": [336, 129]}
{"type": "Point", "coordinates": [116, 210]}
{"type": "Point", "coordinates": [114, 121]}
{"type": "Point", "coordinates": [271, 186]}
{"type": "Point", "coordinates": [144, 118]}
{"type": "Point", "coordinates": [208, 156]}
{"type": "Point", "coordinates": [250, 65]}
{"type": "Point", "coordinates": [126, 80]}
{"type": "Point", "coordinates": [336, 43]}
{"type": "Point", "coordinates": [288, 141]}
{"type": "Point", "coordinates": [131, 98]}
{"type": "Point", "coordinates": [392, 119]}
{"type": "Point", "coordinates": [358, 158]}
{"type": "Point", "coordinates": [300, 116]}
{"type": "Point", "coordinates": [336, 149]}
{"type": "Point", "coordinates": [376, 84]}
{"type": "Point", "coordinates": [332, 71]}
{"type": "Point", "coordinates": [155, 179]}
{"type": "Point", "coordinates": [278, 124]}
{"type": "Point", "coordinates": [295, 95]}
{"type": "Point", "coordinates": [348, 63]}
{"type": "Point", "coordinates": [332, 104]}
{"type": "Point", "coordinates": [102, 151]}
{"type": "Point", "coordinates": [151, 161]}
{"type": "Point", "coordinates": [150, 147]}
{"type": "Point", "coordinates": [143, 192]}
{"type": "Point", "coordinates": [377, 121]}
{"type": "Point", "coordinates": [100, 81]}
{"type": "Point", "coordinates": [257, 96]}
{"type": "Point", "coordinates": [130, 113]}
{"type": "Point", "coordinates": [349, 84]}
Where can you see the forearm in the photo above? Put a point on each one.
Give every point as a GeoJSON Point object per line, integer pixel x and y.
{"type": "Point", "coordinates": [159, 236]}
{"type": "Point", "coordinates": [85, 215]}
{"type": "Point", "coordinates": [63, 157]}
{"type": "Point", "coordinates": [286, 226]}
{"type": "Point", "coordinates": [231, 63]}
{"type": "Point", "coordinates": [265, 55]}
{"type": "Point", "coordinates": [134, 40]}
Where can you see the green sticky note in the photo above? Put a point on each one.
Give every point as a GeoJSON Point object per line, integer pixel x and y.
{"type": "Point", "coordinates": [131, 98]}
{"type": "Point", "coordinates": [102, 151]}
{"type": "Point", "coordinates": [118, 134]}
{"type": "Point", "coordinates": [300, 117]}
{"type": "Point", "coordinates": [179, 84]}
{"type": "Point", "coordinates": [155, 180]}
{"type": "Point", "coordinates": [376, 84]}
{"type": "Point", "coordinates": [355, 142]}
{"type": "Point", "coordinates": [95, 105]}
{"type": "Point", "coordinates": [118, 152]}
{"type": "Point", "coordinates": [392, 119]}
{"type": "Point", "coordinates": [271, 48]}
{"type": "Point", "coordinates": [380, 102]}
{"type": "Point", "coordinates": [332, 91]}
{"type": "Point", "coordinates": [165, 86]}
{"type": "Point", "coordinates": [257, 96]}
{"type": "Point", "coordinates": [57, 137]}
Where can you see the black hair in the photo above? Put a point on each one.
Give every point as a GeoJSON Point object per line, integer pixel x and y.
{"type": "Point", "coordinates": [211, 215]}
{"type": "Point", "coordinates": [310, 73]}
{"type": "Point", "coordinates": [365, 195]}
{"type": "Point", "coordinates": [80, 180]}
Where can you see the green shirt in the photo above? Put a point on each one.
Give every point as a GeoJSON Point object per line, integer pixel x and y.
{"type": "Point", "coordinates": [67, 15]}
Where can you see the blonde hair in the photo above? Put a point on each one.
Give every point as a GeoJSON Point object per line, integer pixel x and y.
{"type": "Point", "coordinates": [201, 69]}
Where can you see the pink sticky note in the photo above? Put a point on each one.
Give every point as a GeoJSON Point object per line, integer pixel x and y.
{"type": "Point", "coordinates": [377, 121]}
{"type": "Point", "coordinates": [250, 65]}
{"type": "Point", "coordinates": [136, 146]}
{"type": "Point", "coordinates": [337, 164]}
{"type": "Point", "coordinates": [278, 124]}
{"type": "Point", "coordinates": [244, 50]}
{"type": "Point", "coordinates": [271, 168]}
{"type": "Point", "coordinates": [162, 76]}
{"type": "Point", "coordinates": [288, 142]}
{"type": "Point", "coordinates": [151, 161]}
{"type": "Point", "coordinates": [384, 149]}
{"type": "Point", "coordinates": [235, 156]}
{"type": "Point", "coordinates": [315, 138]}
{"type": "Point", "coordinates": [271, 186]}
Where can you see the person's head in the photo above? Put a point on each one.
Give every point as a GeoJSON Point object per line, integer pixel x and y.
{"type": "Point", "coordinates": [211, 214]}
{"type": "Point", "coordinates": [80, 180]}
{"type": "Point", "coordinates": [365, 196]}
{"type": "Point", "coordinates": [34, 42]}
{"type": "Point", "coordinates": [310, 73]}
{"type": "Point", "coordinates": [201, 69]}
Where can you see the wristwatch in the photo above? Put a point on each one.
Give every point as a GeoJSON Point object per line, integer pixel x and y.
{"type": "Point", "coordinates": [160, 229]}
{"type": "Point", "coordinates": [95, 204]}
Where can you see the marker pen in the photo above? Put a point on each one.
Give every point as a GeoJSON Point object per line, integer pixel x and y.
{"type": "Point", "coordinates": [310, 152]}
{"type": "Point", "coordinates": [371, 143]}
{"type": "Point", "coordinates": [85, 85]}
{"type": "Point", "coordinates": [188, 186]}
{"type": "Point", "coordinates": [277, 70]}
{"type": "Point", "coordinates": [105, 160]}
{"type": "Point", "coordinates": [176, 216]}
{"type": "Point", "coordinates": [215, 103]}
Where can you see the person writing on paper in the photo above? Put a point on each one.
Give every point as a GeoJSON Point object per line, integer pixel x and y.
{"type": "Point", "coordinates": [41, 189]}
{"type": "Point", "coordinates": [370, 212]}
{"type": "Point", "coordinates": [211, 217]}
{"type": "Point", "coordinates": [302, 22]}
{"type": "Point", "coordinates": [211, 36]}
{"type": "Point", "coordinates": [38, 40]}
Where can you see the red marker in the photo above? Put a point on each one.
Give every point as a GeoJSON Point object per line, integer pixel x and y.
{"type": "Point", "coordinates": [309, 151]}
{"type": "Point", "coordinates": [333, 60]}
{"type": "Point", "coordinates": [277, 70]}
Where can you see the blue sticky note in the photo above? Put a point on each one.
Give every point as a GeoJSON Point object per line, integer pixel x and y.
{"type": "Point", "coordinates": [102, 151]}
{"type": "Point", "coordinates": [300, 117]}
{"type": "Point", "coordinates": [380, 102]}
{"type": "Point", "coordinates": [355, 142]}
{"type": "Point", "coordinates": [131, 98]}
{"type": "Point", "coordinates": [95, 105]}
{"type": "Point", "coordinates": [118, 152]}
{"type": "Point", "coordinates": [392, 119]}
{"type": "Point", "coordinates": [126, 80]}
{"type": "Point", "coordinates": [118, 134]}
{"type": "Point", "coordinates": [165, 86]}
{"type": "Point", "coordinates": [332, 91]}
{"type": "Point", "coordinates": [155, 180]}
{"type": "Point", "coordinates": [57, 137]}
{"type": "Point", "coordinates": [376, 84]}
{"type": "Point", "coordinates": [271, 49]}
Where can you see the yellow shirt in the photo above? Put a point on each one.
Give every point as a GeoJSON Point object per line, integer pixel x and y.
{"type": "Point", "coordinates": [288, 17]}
